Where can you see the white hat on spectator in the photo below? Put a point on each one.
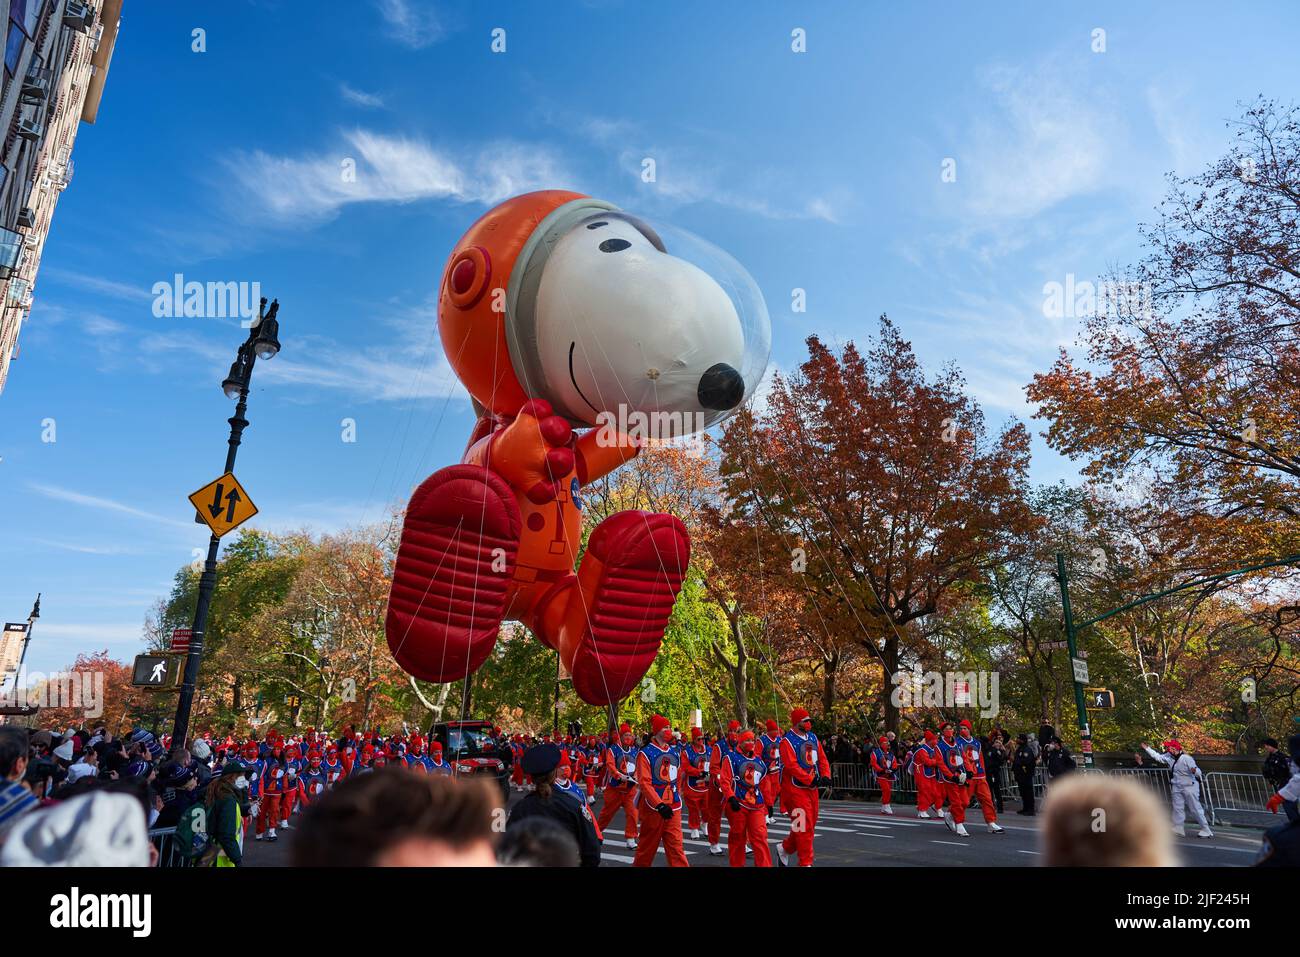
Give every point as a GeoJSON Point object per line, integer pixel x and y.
{"type": "Point", "coordinates": [64, 751]}
{"type": "Point", "coordinates": [201, 750]}
{"type": "Point", "coordinates": [100, 829]}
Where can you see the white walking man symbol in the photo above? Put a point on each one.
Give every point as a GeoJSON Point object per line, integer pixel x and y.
{"type": "Point", "coordinates": [159, 672]}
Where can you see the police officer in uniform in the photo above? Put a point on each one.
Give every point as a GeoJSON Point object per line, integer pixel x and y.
{"type": "Point", "coordinates": [540, 762]}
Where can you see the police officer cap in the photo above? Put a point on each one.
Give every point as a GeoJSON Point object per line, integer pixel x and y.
{"type": "Point", "coordinates": [540, 758]}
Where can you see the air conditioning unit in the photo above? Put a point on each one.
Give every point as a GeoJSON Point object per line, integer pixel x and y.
{"type": "Point", "coordinates": [26, 218]}
{"type": "Point", "coordinates": [30, 126]}
{"type": "Point", "coordinates": [78, 16]}
{"type": "Point", "coordinates": [36, 85]}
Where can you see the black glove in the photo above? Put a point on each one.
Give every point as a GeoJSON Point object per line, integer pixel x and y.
{"type": "Point", "coordinates": [665, 811]}
{"type": "Point", "coordinates": [734, 803]}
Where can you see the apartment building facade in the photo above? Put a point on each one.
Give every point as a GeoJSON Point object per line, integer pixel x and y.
{"type": "Point", "coordinates": [57, 54]}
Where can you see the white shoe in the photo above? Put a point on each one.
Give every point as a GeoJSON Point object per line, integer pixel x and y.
{"type": "Point", "coordinates": [695, 834]}
{"type": "Point", "coordinates": [782, 856]}
{"type": "Point", "coordinates": [591, 800]}
{"type": "Point", "coordinates": [631, 842]}
{"type": "Point", "coordinates": [947, 819]}
{"type": "Point", "coordinates": [271, 835]}
{"type": "Point", "coordinates": [1205, 832]}
{"type": "Point", "coordinates": [715, 849]}
{"type": "Point", "coordinates": [257, 837]}
{"type": "Point", "coordinates": [961, 830]}
{"type": "Point", "coordinates": [995, 828]}
{"type": "Point", "coordinates": [1179, 831]}
{"type": "Point", "coordinates": [886, 809]}
{"type": "Point", "coordinates": [285, 822]}
{"type": "Point", "coordinates": [924, 814]}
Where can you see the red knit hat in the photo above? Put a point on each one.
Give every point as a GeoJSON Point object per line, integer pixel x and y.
{"type": "Point", "coordinates": [697, 733]}
{"type": "Point", "coordinates": [624, 728]}
{"type": "Point", "coordinates": [882, 740]}
{"type": "Point", "coordinates": [963, 723]}
{"type": "Point", "coordinates": [1173, 745]}
{"type": "Point", "coordinates": [658, 723]}
{"type": "Point", "coordinates": [772, 725]}
{"type": "Point", "coordinates": [733, 725]}
{"type": "Point", "coordinates": [930, 736]}
{"type": "Point", "coordinates": [746, 736]}
{"type": "Point", "coordinates": [798, 715]}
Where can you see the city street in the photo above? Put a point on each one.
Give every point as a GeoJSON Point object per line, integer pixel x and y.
{"type": "Point", "coordinates": [851, 833]}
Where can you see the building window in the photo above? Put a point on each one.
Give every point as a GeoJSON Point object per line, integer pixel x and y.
{"type": "Point", "coordinates": [14, 48]}
{"type": "Point", "coordinates": [11, 245]}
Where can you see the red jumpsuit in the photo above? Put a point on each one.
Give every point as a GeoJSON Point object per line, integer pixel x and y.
{"type": "Point", "coordinates": [882, 763]}
{"type": "Point", "coordinates": [742, 778]}
{"type": "Point", "coordinates": [771, 745]}
{"type": "Point", "coordinates": [657, 784]}
{"type": "Point", "coordinates": [620, 789]}
{"type": "Point", "coordinates": [977, 783]}
{"type": "Point", "coordinates": [928, 786]}
{"type": "Point", "coordinates": [695, 795]}
{"type": "Point", "coordinates": [799, 799]}
{"type": "Point", "coordinates": [952, 768]}
{"type": "Point", "coordinates": [272, 791]}
{"type": "Point", "coordinates": [713, 806]}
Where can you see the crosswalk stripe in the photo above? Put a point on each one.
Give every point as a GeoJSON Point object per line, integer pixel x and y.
{"type": "Point", "coordinates": [953, 843]}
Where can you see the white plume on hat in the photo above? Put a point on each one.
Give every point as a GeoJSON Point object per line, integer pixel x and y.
{"type": "Point", "coordinates": [100, 829]}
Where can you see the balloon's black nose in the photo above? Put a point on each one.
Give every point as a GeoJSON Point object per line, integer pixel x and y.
{"type": "Point", "coordinates": [721, 388]}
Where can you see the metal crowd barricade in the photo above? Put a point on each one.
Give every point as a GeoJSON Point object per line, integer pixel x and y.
{"type": "Point", "coordinates": [1234, 798]}
{"type": "Point", "coordinates": [169, 855]}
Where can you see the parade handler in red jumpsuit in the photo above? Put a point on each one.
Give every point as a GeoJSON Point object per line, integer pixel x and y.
{"type": "Point", "coordinates": [929, 787]}
{"type": "Point", "coordinates": [713, 807]}
{"type": "Point", "coordinates": [955, 775]}
{"type": "Point", "coordinates": [695, 781]}
{"type": "Point", "coordinates": [804, 769]}
{"type": "Point", "coordinates": [658, 797]}
{"type": "Point", "coordinates": [973, 750]}
{"type": "Point", "coordinates": [882, 764]}
{"type": "Point", "coordinates": [620, 784]}
{"type": "Point", "coordinates": [743, 771]}
{"type": "Point", "coordinates": [770, 743]}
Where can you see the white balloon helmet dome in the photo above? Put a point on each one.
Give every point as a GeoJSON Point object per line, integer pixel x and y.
{"type": "Point", "coordinates": [616, 320]}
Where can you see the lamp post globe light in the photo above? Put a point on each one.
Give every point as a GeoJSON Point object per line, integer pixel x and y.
{"type": "Point", "coordinates": [263, 342]}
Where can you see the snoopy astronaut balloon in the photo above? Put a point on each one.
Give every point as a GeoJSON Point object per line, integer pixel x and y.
{"type": "Point", "coordinates": [574, 326]}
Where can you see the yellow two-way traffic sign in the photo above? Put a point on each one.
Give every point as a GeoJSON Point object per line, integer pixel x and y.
{"type": "Point", "coordinates": [223, 504]}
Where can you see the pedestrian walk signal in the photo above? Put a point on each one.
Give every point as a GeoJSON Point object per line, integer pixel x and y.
{"type": "Point", "coordinates": [156, 672]}
{"type": "Point", "coordinates": [1100, 698]}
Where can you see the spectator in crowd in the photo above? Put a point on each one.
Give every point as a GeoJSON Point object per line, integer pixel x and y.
{"type": "Point", "coordinates": [540, 762]}
{"type": "Point", "coordinates": [1058, 759]}
{"type": "Point", "coordinates": [86, 766]}
{"type": "Point", "coordinates": [995, 761]}
{"type": "Point", "coordinates": [1035, 746]}
{"type": "Point", "coordinates": [103, 828]}
{"type": "Point", "coordinates": [16, 800]}
{"type": "Point", "coordinates": [1023, 763]}
{"type": "Point", "coordinates": [1277, 769]}
{"type": "Point", "coordinates": [1094, 820]}
{"type": "Point", "coordinates": [538, 842]}
{"type": "Point", "coordinates": [395, 817]}
{"type": "Point", "coordinates": [180, 789]}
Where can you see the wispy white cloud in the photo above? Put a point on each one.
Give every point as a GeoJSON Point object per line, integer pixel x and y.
{"type": "Point", "coordinates": [103, 504]}
{"type": "Point", "coordinates": [85, 548]}
{"type": "Point", "coordinates": [105, 287]}
{"type": "Point", "coordinates": [373, 167]}
{"type": "Point", "coordinates": [412, 24]}
{"type": "Point", "coordinates": [371, 101]}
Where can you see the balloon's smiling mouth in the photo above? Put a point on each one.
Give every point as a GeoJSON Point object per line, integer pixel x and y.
{"type": "Point", "coordinates": [574, 380]}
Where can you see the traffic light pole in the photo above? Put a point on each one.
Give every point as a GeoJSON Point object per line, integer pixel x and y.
{"type": "Point", "coordinates": [1072, 628]}
{"type": "Point", "coordinates": [1081, 707]}
{"type": "Point", "coordinates": [208, 580]}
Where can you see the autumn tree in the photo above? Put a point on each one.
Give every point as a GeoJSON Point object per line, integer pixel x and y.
{"type": "Point", "coordinates": [881, 485]}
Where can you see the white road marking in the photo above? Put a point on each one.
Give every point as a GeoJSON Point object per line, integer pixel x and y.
{"type": "Point", "coordinates": [953, 843]}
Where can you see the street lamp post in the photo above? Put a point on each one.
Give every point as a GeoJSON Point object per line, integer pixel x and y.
{"type": "Point", "coordinates": [262, 343]}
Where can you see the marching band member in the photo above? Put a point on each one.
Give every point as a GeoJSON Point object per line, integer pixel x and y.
{"type": "Point", "coordinates": [713, 809]}
{"type": "Point", "coordinates": [436, 763]}
{"type": "Point", "coordinates": [695, 760]}
{"type": "Point", "coordinates": [954, 773]}
{"type": "Point", "coordinates": [313, 781]}
{"type": "Point", "coordinates": [925, 760]}
{"type": "Point", "coordinates": [272, 774]}
{"type": "Point", "coordinates": [620, 784]}
{"type": "Point", "coordinates": [973, 750]}
{"type": "Point", "coordinates": [334, 769]}
{"type": "Point", "coordinates": [594, 770]}
{"type": "Point", "coordinates": [658, 797]}
{"type": "Point", "coordinates": [741, 780]}
{"type": "Point", "coordinates": [882, 764]}
{"type": "Point", "coordinates": [803, 769]}
{"type": "Point", "coordinates": [770, 743]}
{"type": "Point", "coordinates": [293, 766]}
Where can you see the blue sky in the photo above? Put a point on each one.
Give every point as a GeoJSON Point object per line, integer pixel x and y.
{"type": "Point", "coordinates": [818, 170]}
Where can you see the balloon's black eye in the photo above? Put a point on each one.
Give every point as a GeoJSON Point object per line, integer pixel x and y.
{"type": "Point", "coordinates": [614, 245]}
{"type": "Point", "coordinates": [596, 225]}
